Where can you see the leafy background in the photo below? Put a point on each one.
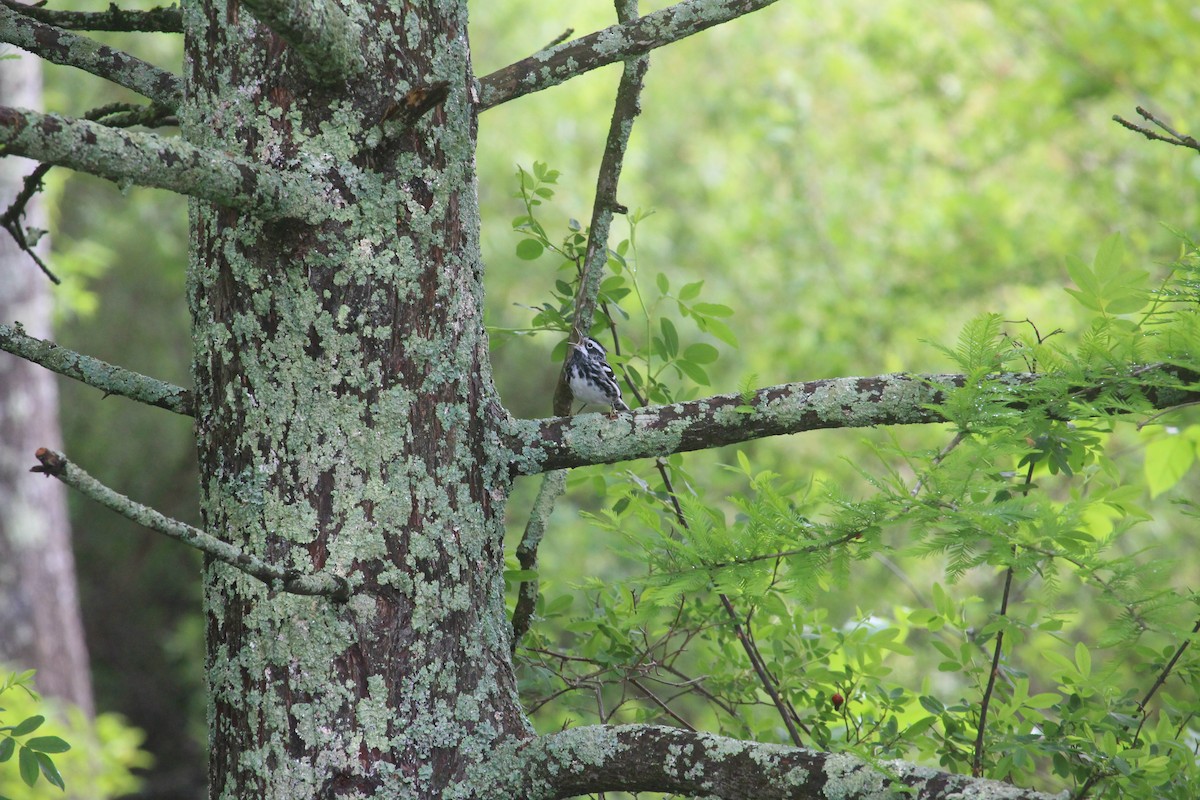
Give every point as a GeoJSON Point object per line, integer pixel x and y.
{"type": "Point", "coordinates": [856, 181]}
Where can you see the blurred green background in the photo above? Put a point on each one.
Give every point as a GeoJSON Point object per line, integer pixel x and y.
{"type": "Point", "coordinates": [855, 180]}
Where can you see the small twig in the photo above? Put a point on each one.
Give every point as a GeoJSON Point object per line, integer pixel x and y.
{"type": "Point", "coordinates": [1087, 786]}
{"type": "Point", "coordinates": [562, 37]}
{"type": "Point", "coordinates": [288, 580]}
{"type": "Point", "coordinates": [941, 456]}
{"type": "Point", "coordinates": [1172, 137]}
{"type": "Point", "coordinates": [977, 762]}
{"type": "Point", "coordinates": [416, 103]}
{"type": "Point", "coordinates": [1166, 671]}
{"type": "Point", "coordinates": [1153, 418]}
{"type": "Point", "coordinates": [658, 701]}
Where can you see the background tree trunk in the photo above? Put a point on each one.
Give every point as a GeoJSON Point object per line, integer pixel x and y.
{"type": "Point", "coordinates": [39, 602]}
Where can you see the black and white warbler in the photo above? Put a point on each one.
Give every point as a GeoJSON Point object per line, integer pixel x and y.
{"type": "Point", "coordinates": [591, 378]}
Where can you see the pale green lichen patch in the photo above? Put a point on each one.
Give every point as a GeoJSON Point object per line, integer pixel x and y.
{"type": "Point", "coordinates": [611, 41]}
{"type": "Point", "coordinates": [373, 715]}
{"type": "Point", "coordinates": [848, 778]}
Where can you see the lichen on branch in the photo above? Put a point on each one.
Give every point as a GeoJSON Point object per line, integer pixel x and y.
{"type": "Point", "coordinates": [560, 63]}
{"type": "Point", "coordinates": [70, 49]}
{"type": "Point", "coordinates": [147, 159]}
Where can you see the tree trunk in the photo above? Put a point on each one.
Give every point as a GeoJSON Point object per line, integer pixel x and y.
{"type": "Point", "coordinates": [39, 600]}
{"type": "Point", "coordinates": [345, 413]}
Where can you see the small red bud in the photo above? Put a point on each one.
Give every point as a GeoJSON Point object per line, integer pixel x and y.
{"type": "Point", "coordinates": [837, 701]}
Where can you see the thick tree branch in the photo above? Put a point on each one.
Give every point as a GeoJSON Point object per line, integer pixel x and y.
{"type": "Point", "coordinates": [326, 41]}
{"type": "Point", "coordinates": [98, 374]}
{"type": "Point", "coordinates": [621, 42]}
{"type": "Point", "coordinates": [561, 442]}
{"type": "Point", "coordinates": [70, 49]}
{"type": "Point", "coordinates": [648, 758]}
{"type": "Point", "coordinates": [117, 115]}
{"type": "Point", "coordinates": [164, 20]}
{"type": "Point", "coordinates": [147, 159]}
{"type": "Point", "coordinates": [320, 583]}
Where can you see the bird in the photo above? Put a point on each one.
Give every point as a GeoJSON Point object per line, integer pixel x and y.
{"type": "Point", "coordinates": [591, 379]}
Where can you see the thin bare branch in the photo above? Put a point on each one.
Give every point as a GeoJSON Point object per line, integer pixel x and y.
{"type": "Point", "coordinates": [287, 580]}
{"type": "Point", "coordinates": [1166, 670]}
{"type": "Point", "coordinates": [70, 49]}
{"type": "Point", "coordinates": [11, 219]}
{"type": "Point", "coordinates": [620, 42]}
{"type": "Point", "coordinates": [626, 107]}
{"type": "Point", "coordinates": [985, 701]}
{"type": "Point", "coordinates": [553, 484]}
{"type": "Point", "coordinates": [98, 374]}
{"type": "Point", "coordinates": [319, 33]}
{"type": "Point", "coordinates": [146, 159]}
{"type": "Point", "coordinates": [155, 20]}
{"type": "Point", "coordinates": [662, 704]}
{"type": "Point", "coordinates": [1172, 136]}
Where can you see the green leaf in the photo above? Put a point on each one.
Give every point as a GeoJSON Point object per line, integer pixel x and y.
{"type": "Point", "coordinates": [1167, 460]}
{"type": "Point", "coordinates": [670, 337]}
{"type": "Point", "coordinates": [712, 310]}
{"type": "Point", "coordinates": [931, 704]}
{"type": "Point", "coordinates": [7, 746]}
{"type": "Point", "coordinates": [694, 371]}
{"type": "Point", "coordinates": [1083, 660]}
{"type": "Point", "coordinates": [529, 249]}
{"type": "Point", "coordinates": [691, 291]}
{"type": "Point", "coordinates": [1083, 276]}
{"type": "Point", "coordinates": [1109, 258]}
{"type": "Point", "coordinates": [510, 576]}
{"type": "Point", "coordinates": [1127, 302]}
{"type": "Point", "coordinates": [718, 329]}
{"type": "Point", "coordinates": [701, 353]}
{"type": "Point", "coordinates": [1086, 300]}
{"type": "Point", "coordinates": [28, 766]}
{"type": "Point", "coordinates": [664, 286]}
{"type": "Point", "coordinates": [47, 744]}
{"type": "Point", "coordinates": [46, 764]}
{"type": "Point", "coordinates": [612, 283]}
{"type": "Point", "coordinates": [28, 725]}
{"type": "Point", "coordinates": [1043, 700]}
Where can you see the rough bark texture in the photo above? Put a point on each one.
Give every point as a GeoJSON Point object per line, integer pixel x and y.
{"type": "Point", "coordinates": [346, 423]}
{"type": "Point", "coordinates": [343, 401]}
{"type": "Point", "coordinates": [39, 602]}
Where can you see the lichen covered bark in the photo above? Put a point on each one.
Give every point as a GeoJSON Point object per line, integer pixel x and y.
{"type": "Point", "coordinates": [344, 410]}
